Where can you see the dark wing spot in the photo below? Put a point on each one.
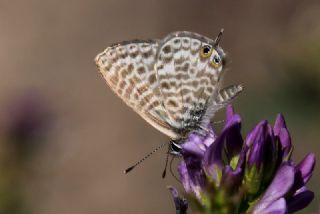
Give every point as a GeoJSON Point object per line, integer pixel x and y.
{"type": "Point", "coordinates": [195, 83]}
{"type": "Point", "coordinates": [122, 84]}
{"type": "Point", "coordinates": [173, 84]}
{"type": "Point", "coordinates": [166, 49]}
{"type": "Point", "coordinates": [179, 61]}
{"type": "Point", "coordinates": [141, 70]}
{"type": "Point", "coordinates": [185, 67]}
{"type": "Point", "coordinates": [165, 85]}
{"type": "Point", "coordinates": [134, 54]}
{"type": "Point", "coordinates": [167, 59]}
{"type": "Point", "coordinates": [128, 91]}
{"type": "Point", "coordinates": [123, 55]}
{"type": "Point", "coordinates": [172, 103]}
{"type": "Point", "coordinates": [148, 97]}
{"type": "Point", "coordinates": [114, 59]}
{"type": "Point", "coordinates": [142, 89]}
{"type": "Point", "coordinates": [155, 103]}
{"type": "Point", "coordinates": [178, 68]}
{"type": "Point", "coordinates": [136, 96]}
{"type": "Point", "coordinates": [147, 54]}
{"type": "Point", "coordinates": [131, 47]}
{"type": "Point", "coordinates": [185, 41]}
{"type": "Point", "coordinates": [114, 79]}
{"type": "Point", "coordinates": [188, 99]}
{"type": "Point", "coordinates": [123, 73]}
{"type": "Point", "coordinates": [130, 68]}
{"type": "Point", "coordinates": [152, 79]}
{"type": "Point", "coordinates": [185, 91]}
{"type": "Point", "coordinates": [181, 76]}
{"type": "Point", "coordinates": [210, 90]}
{"type": "Point", "coordinates": [160, 67]}
{"type": "Point", "coordinates": [204, 81]}
{"type": "Point", "coordinates": [176, 41]}
{"type": "Point", "coordinates": [192, 71]}
{"type": "Point", "coordinates": [142, 103]}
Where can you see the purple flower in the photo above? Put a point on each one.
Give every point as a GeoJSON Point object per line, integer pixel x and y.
{"type": "Point", "coordinates": [224, 174]}
{"type": "Point", "coordinates": [25, 122]}
{"type": "Point", "coordinates": [181, 204]}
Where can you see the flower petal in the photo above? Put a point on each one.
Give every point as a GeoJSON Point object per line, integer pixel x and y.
{"type": "Point", "coordinates": [192, 177]}
{"type": "Point", "coordinates": [281, 131]}
{"type": "Point", "coordinates": [280, 185]}
{"type": "Point", "coordinates": [262, 153]}
{"type": "Point", "coordinates": [300, 200]}
{"type": "Point", "coordinates": [210, 138]}
{"type": "Point", "coordinates": [285, 141]}
{"type": "Point", "coordinates": [184, 176]}
{"type": "Point", "coordinates": [279, 124]}
{"type": "Point", "coordinates": [306, 167]}
{"type": "Point", "coordinates": [233, 136]}
{"type": "Point", "coordinates": [192, 148]}
{"type": "Point", "coordinates": [181, 204]}
{"type": "Point", "coordinates": [277, 207]}
{"type": "Point", "coordinates": [257, 141]}
{"type": "Point", "coordinates": [255, 132]}
{"type": "Point", "coordinates": [229, 112]}
{"type": "Point", "coordinates": [196, 144]}
{"type": "Point", "coordinates": [214, 153]}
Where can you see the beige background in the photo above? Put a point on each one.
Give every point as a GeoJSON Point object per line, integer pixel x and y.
{"type": "Point", "coordinates": [47, 48]}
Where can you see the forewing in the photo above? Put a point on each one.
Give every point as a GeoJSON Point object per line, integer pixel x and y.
{"type": "Point", "coordinates": [186, 80]}
{"type": "Point", "coordinates": [128, 69]}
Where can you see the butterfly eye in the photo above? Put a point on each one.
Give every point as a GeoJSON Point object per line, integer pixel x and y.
{"type": "Point", "coordinates": [205, 51]}
{"type": "Point", "coordinates": [216, 61]}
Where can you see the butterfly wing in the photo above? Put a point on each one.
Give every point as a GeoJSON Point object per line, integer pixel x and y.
{"type": "Point", "coordinates": [128, 69]}
{"type": "Point", "coordinates": [223, 98]}
{"type": "Point", "coordinates": [187, 81]}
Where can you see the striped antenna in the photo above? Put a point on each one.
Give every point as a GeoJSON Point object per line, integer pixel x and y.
{"type": "Point", "coordinates": [217, 40]}
{"type": "Point", "coordinates": [144, 158]}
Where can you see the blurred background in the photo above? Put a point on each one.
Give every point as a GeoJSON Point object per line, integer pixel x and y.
{"type": "Point", "coordinates": [65, 138]}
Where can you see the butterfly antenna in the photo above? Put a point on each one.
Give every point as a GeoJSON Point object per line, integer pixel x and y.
{"type": "Point", "coordinates": [165, 166]}
{"type": "Point", "coordinates": [144, 158]}
{"type": "Point", "coordinates": [218, 39]}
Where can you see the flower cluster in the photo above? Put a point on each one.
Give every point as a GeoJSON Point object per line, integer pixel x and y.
{"type": "Point", "coordinates": [229, 174]}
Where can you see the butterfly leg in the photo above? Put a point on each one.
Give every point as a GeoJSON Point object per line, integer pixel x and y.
{"type": "Point", "coordinates": [165, 166]}
{"type": "Point", "coordinates": [171, 170]}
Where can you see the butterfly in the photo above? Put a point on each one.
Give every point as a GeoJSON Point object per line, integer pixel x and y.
{"type": "Point", "coordinates": [173, 83]}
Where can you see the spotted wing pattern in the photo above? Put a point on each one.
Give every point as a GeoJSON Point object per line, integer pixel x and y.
{"type": "Point", "coordinates": [186, 80]}
{"type": "Point", "coordinates": [128, 69]}
{"type": "Point", "coordinates": [167, 82]}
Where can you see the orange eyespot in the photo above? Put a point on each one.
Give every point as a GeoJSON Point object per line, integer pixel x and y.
{"type": "Point", "coordinates": [216, 61]}
{"type": "Point", "coordinates": [205, 51]}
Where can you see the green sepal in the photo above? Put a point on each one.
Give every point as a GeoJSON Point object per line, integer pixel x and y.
{"type": "Point", "coordinates": [252, 179]}
{"type": "Point", "coordinates": [234, 162]}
